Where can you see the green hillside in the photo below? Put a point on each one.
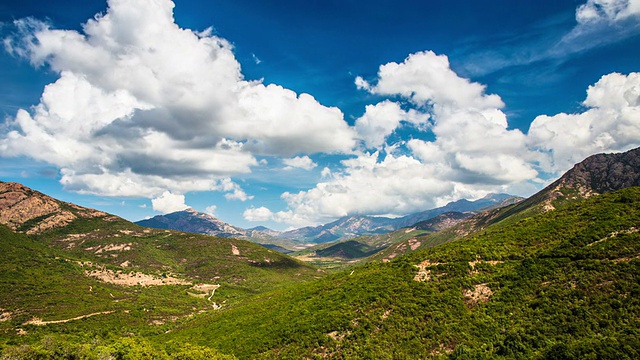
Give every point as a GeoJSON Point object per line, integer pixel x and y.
{"type": "Point", "coordinates": [562, 284]}
{"type": "Point", "coordinates": [79, 277]}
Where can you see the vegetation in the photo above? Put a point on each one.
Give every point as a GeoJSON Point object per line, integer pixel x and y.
{"type": "Point", "coordinates": [560, 284]}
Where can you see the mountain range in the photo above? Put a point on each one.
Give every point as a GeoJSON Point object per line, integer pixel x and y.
{"type": "Point", "coordinates": [344, 228]}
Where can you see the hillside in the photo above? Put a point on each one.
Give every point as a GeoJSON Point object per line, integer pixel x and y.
{"type": "Point", "coordinates": [561, 284]}
{"type": "Point", "coordinates": [595, 175]}
{"type": "Point", "coordinates": [546, 282]}
{"type": "Point", "coordinates": [65, 268]}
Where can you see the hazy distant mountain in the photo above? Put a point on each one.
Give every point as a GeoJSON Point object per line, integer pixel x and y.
{"type": "Point", "coordinates": [353, 226]}
{"type": "Point", "coordinates": [461, 206]}
{"type": "Point", "coordinates": [343, 228]}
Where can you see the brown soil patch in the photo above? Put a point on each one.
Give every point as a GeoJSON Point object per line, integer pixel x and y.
{"type": "Point", "coordinates": [414, 243]}
{"type": "Point", "coordinates": [39, 322]}
{"type": "Point", "coordinates": [132, 279]}
{"type": "Point", "coordinates": [424, 274]}
{"type": "Point", "coordinates": [5, 315]}
{"type": "Point", "coordinates": [480, 293]}
{"type": "Point", "coordinates": [476, 262]}
{"type": "Point", "coordinates": [338, 336]}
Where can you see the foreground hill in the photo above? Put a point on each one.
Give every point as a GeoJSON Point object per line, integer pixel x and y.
{"type": "Point", "coordinates": [69, 269]}
{"type": "Point", "coordinates": [561, 284]}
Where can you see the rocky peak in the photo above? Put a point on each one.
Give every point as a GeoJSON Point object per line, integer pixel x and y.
{"type": "Point", "coordinates": [601, 173]}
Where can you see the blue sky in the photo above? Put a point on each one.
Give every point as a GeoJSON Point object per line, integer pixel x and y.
{"type": "Point", "coordinates": [294, 113]}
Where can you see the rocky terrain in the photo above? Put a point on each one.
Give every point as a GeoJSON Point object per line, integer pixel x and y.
{"type": "Point", "coordinates": [29, 211]}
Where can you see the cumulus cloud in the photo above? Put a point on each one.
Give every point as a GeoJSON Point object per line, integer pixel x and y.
{"type": "Point", "coordinates": [381, 120]}
{"type": "Point", "coordinates": [610, 124]}
{"type": "Point", "coordinates": [299, 162]}
{"type": "Point", "coordinates": [473, 151]}
{"type": "Point", "coordinates": [142, 106]}
{"type": "Point", "coordinates": [472, 138]}
{"type": "Point", "coordinates": [168, 203]}
{"type": "Point", "coordinates": [257, 214]}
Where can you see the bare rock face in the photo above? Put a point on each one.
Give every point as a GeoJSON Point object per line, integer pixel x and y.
{"type": "Point", "coordinates": [23, 209]}
{"type": "Point", "coordinates": [601, 173]}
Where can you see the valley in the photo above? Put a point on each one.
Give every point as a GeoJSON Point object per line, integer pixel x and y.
{"type": "Point", "coordinates": [551, 276]}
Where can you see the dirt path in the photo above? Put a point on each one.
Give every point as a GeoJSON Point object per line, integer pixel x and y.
{"type": "Point", "coordinates": [39, 322]}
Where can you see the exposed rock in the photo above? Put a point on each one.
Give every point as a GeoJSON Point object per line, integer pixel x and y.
{"type": "Point", "coordinates": [26, 210]}
{"type": "Point", "coordinates": [480, 293]}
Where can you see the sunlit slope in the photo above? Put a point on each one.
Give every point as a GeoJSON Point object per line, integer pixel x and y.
{"type": "Point", "coordinates": [561, 284]}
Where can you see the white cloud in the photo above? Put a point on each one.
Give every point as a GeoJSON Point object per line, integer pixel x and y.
{"type": "Point", "coordinates": [607, 10]}
{"type": "Point", "coordinates": [143, 106]}
{"type": "Point", "coordinates": [380, 120]}
{"type": "Point", "coordinates": [211, 210]}
{"type": "Point", "coordinates": [168, 203]}
{"type": "Point", "coordinates": [238, 194]}
{"type": "Point", "coordinates": [426, 79]}
{"type": "Point", "coordinates": [610, 124]}
{"type": "Point", "coordinates": [472, 138]}
{"type": "Point", "coordinates": [257, 214]}
{"type": "Point", "coordinates": [599, 22]}
{"type": "Point", "coordinates": [299, 162]}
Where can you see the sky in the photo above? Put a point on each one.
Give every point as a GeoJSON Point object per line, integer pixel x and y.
{"type": "Point", "coordinates": [293, 113]}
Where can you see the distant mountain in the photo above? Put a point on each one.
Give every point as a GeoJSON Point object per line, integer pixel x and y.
{"type": "Point", "coordinates": [344, 228]}
{"type": "Point", "coordinates": [460, 206]}
{"type": "Point", "coordinates": [353, 226]}
{"type": "Point", "coordinates": [264, 230]}
{"type": "Point", "coordinates": [193, 221]}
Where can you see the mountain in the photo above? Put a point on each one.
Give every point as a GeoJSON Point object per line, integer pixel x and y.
{"type": "Point", "coordinates": [353, 226]}
{"type": "Point", "coordinates": [369, 247]}
{"type": "Point", "coordinates": [488, 202]}
{"type": "Point", "coordinates": [29, 211]}
{"type": "Point", "coordinates": [192, 221]}
{"type": "Point", "coordinates": [597, 174]}
{"type": "Point", "coordinates": [343, 228]}
{"type": "Point", "coordinates": [543, 283]}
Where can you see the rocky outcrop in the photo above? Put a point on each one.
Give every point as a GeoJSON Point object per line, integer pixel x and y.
{"type": "Point", "coordinates": [604, 172]}
{"type": "Point", "coordinates": [25, 210]}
